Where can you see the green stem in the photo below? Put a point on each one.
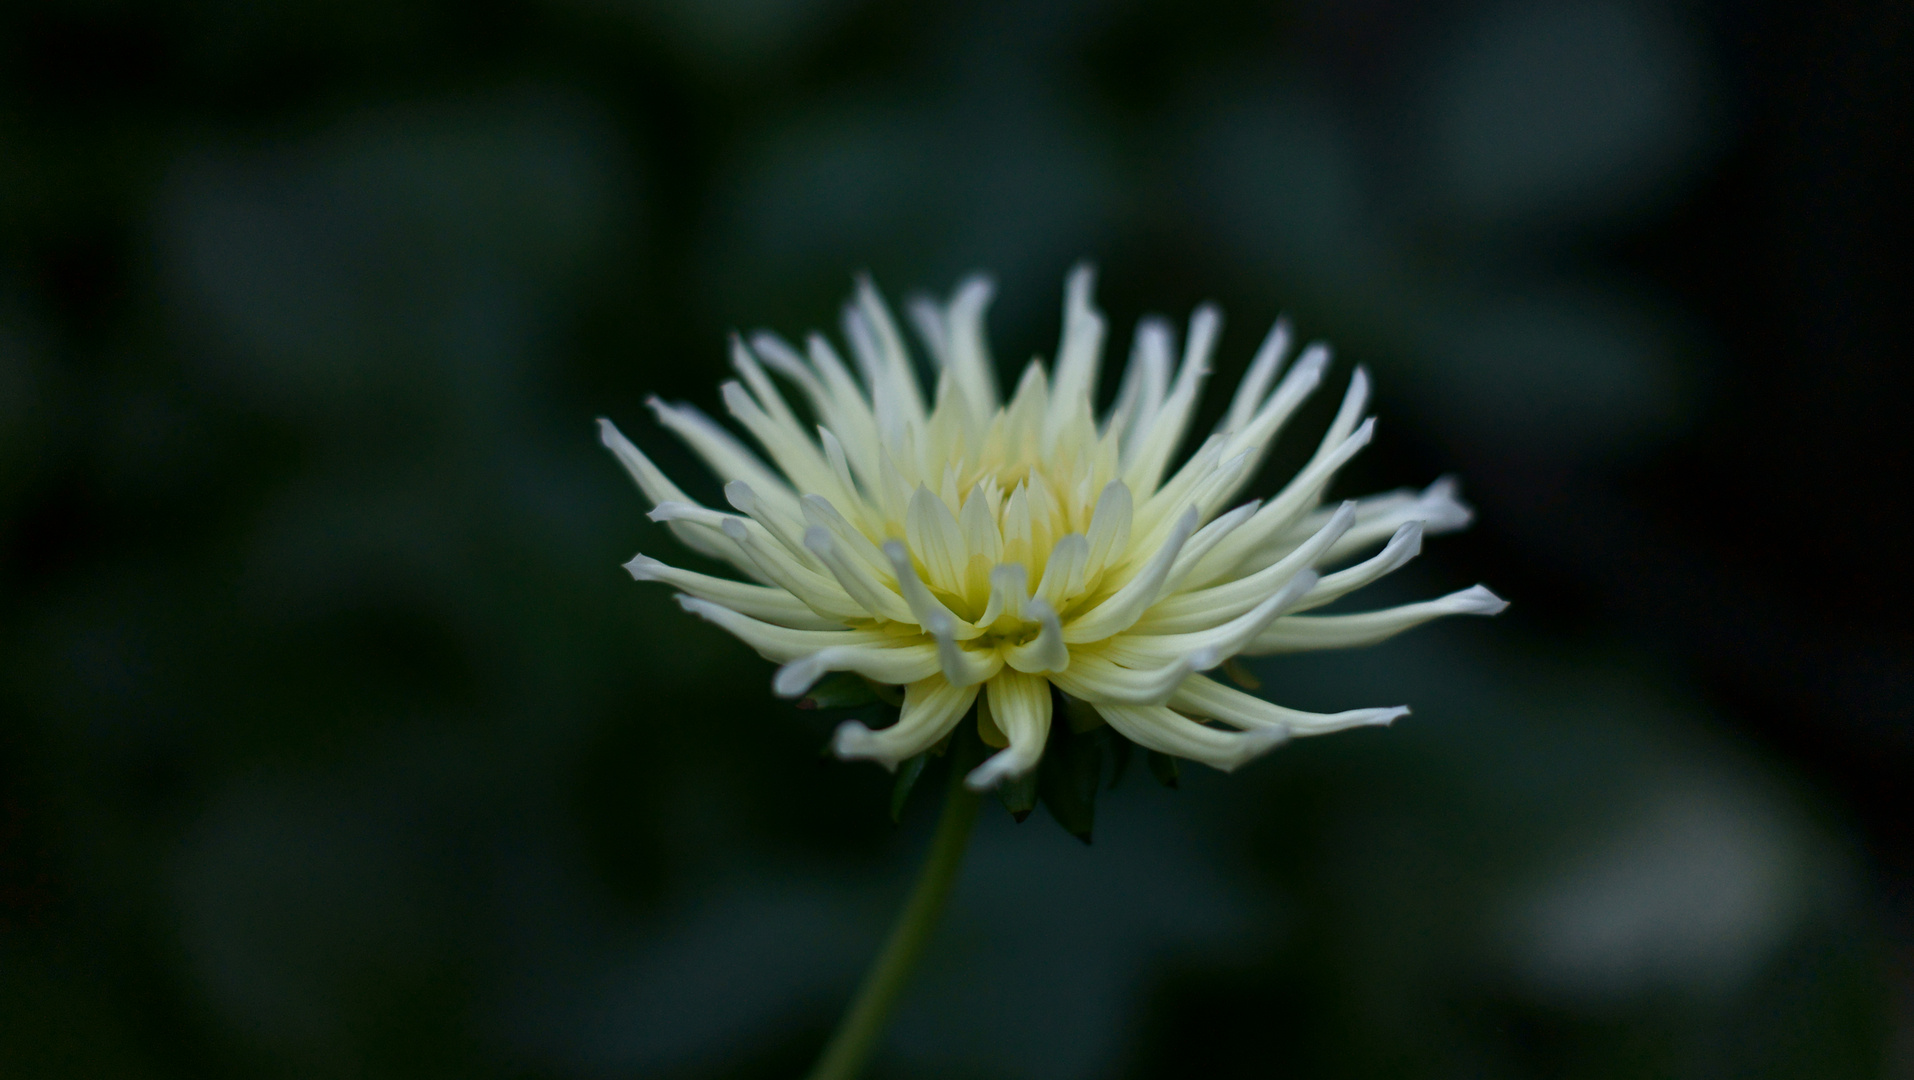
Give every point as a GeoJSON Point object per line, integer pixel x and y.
{"type": "Point", "coordinates": [863, 1023]}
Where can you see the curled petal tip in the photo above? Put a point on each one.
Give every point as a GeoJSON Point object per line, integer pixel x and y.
{"type": "Point", "coordinates": [1479, 601]}
{"type": "Point", "coordinates": [643, 568]}
{"type": "Point", "coordinates": [851, 740]}
{"type": "Point", "coordinates": [1000, 766]}
{"type": "Point", "coordinates": [1254, 743]}
{"type": "Point", "coordinates": [1441, 506]}
{"type": "Point", "coordinates": [797, 677]}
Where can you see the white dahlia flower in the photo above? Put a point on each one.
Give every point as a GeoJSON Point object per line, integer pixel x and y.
{"type": "Point", "coordinates": [972, 550]}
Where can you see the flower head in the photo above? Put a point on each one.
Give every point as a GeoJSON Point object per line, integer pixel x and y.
{"type": "Point", "coordinates": [972, 550]}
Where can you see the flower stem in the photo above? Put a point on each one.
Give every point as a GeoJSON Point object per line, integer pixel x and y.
{"type": "Point", "coordinates": [863, 1023]}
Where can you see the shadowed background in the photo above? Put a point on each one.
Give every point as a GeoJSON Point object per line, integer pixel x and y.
{"type": "Point", "coordinates": [335, 742]}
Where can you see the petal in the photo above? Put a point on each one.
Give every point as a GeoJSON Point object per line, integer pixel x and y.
{"type": "Point", "coordinates": [1203, 608]}
{"type": "Point", "coordinates": [1259, 543]}
{"type": "Point", "coordinates": [1122, 609]}
{"type": "Point", "coordinates": [1077, 354]}
{"type": "Point", "coordinates": [1045, 652]}
{"type": "Point", "coordinates": [932, 707]}
{"type": "Point", "coordinates": [757, 601]}
{"type": "Point", "coordinates": [1146, 380]}
{"type": "Point", "coordinates": [721, 450]}
{"type": "Point", "coordinates": [774, 564]}
{"type": "Point", "coordinates": [1405, 545]}
{"type": "Point", "coordinates": [778, 644]}
{"type": "Point", "coordinates": [1300, 633]}
{"type": "Point", "coordinates": [703, 539]}
{"type": "Point", "coordinates": [1202, 696]}
{"type": "Point", "coordinates": [1208, 648]}
{"type": "Point", "coordinates": [894, 665]}
{"type": "Point", "coordinates": [1098, 680]}
{"type": "Point", "coordinates": [1020, 705]}
{"type": "Point", "coordinates": [926, 609]}
{"type": "Point", "coordinates": [1156, 727]}
{"type": "Point", "coordinates": [1166, 429]}
{"type": "Point", "coordinates": [1249, 392]}
{"type": "Point", "coordinates": [872, 594]}
{"type": "Point", "coordinates": [935, 538]}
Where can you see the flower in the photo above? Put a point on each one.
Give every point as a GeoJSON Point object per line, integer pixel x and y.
{"type": "Point", "coordinates": [971, 550]}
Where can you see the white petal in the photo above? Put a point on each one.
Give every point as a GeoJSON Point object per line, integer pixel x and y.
{"type": "Point", "coordinates": [1438, 507]}
{"type": "Point", "coordinates": [758, 601]}
{"type": "Point", "coordinates": [1078, 353]}
{"type": "Point", "coordinates": [1020, 704]}
{"type": "Point", "coordinates": [1063, 571]}
{"type": "Point", "coordinates": [1009, 591]}
{"type": "Point", "coordinates": [1300, 633]}
{"type": "Point", "coordinates": [1045, 652]}
{"type": "Point", "coordinates": [1145, 383]}
{"type": "Point", "coordinates": [1203, 608]}
{"type": "Point", "coordinates": [1122, 609]}
{"type": "Point", "coordinates": [1099, 681]}
{"type": "Point", "coordinates": [1405, 545]}
{"type": "Point", "coordinates": [819, 592]}
{"type": "Point", "coordinates": [872, 594]}
{"type": "Point", "coordinates": [776, 643]}
{"type": "Point", "coordinates": [1155, 727]}
{"type": "Point", "coordinates": [1249, 392]}
{"type": "Point", "coordinates": [728, 457]}
{"type": "Point", "coordinates": [896, 666]}
{"type": "Point", "coordinates": [1206, 538]}
{"type": "Point", "coordinates": [1208, 648]}
{"type": "Point", "coordinates": [926, 609]}
{"type": "Point", "coordinates": [1259, 543]}
{"type": "Point", "coordinates": [1109, 534]}
{"type": "Point", "coordinates": [1167, 427]}
{"type": "Point", "coordinates": [970, 362]}
{"type": "Point", "coordinates": [932, 708]}
{"type": "Point", "coordinates": [1203, 696]}
{"type": "Point", "coordinates": [658, 488]}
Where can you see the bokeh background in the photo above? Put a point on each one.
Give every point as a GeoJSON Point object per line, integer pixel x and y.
{"type": "Point", "coordinates": [335, 743]}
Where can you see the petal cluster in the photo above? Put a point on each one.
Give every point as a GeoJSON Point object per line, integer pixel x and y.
{"type": "Point", "coordinates": [979, 551]}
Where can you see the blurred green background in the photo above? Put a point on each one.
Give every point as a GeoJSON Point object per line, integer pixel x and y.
{"type": "Point", "coordinates": [335, 743]}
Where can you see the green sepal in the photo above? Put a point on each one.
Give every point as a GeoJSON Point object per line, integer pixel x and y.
{"type": "Point", "coordinates": [1069, 775]}
{"type": "Point", "coordinates": [841, 690]}
{"type": "Point", "coordinates": [1166, 769]}
{"type": "Point", "coordinates": [1121, 750]}
{"type": "Point", "coordinates": [1019, 796]}
{"type": "Point", "coordinates": [907, 774]}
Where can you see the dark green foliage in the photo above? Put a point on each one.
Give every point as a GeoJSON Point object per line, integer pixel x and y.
{"type": "Point", "coordinates": [1165, 768]}
{"type": "Point", "coordinates": [1068, 779]}
{"type": "Point", "coordinates": [1121, 750]}
{"type": "Point", "coordinates": [840, 690]}
{"type": "Point", "coordinates": [1019, 796]}
{"type": "Point", "coordinates": [907, 776]}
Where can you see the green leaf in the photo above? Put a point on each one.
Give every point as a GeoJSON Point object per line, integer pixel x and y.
{"type": "Point", "coordinates": [1068, 778]}
{"type": "Point", "coordinates": [840, 690]}
{"type": "Point", "coordinates": [1019, 796]}
{"type": "Point", "coordinates": [1165, 769]}
{"type": "Point", "coordinates": [907, 774]}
